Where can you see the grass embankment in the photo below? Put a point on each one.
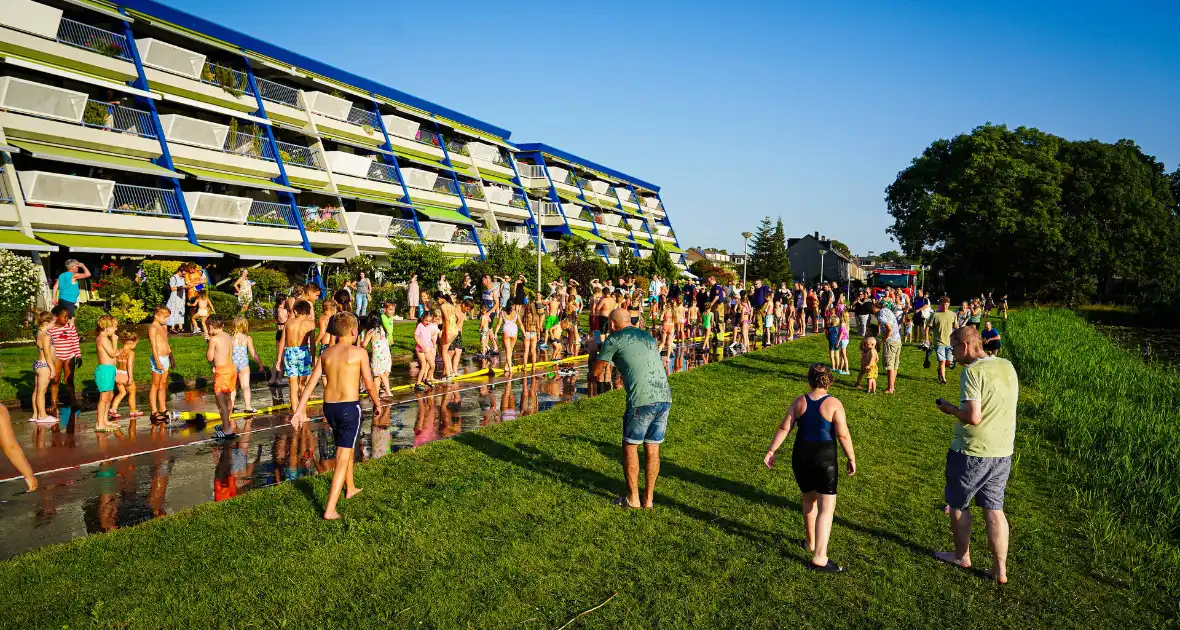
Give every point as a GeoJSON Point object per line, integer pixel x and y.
{"type": "Point", "coordinates": [1117, 421]}
{"type": "Point", "coordinates": [511, 527]}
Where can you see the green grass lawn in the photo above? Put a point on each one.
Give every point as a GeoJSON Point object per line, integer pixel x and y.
{"type": "Point", "coordinates": [511, 527]}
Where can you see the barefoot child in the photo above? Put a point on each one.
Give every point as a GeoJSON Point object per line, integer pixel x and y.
{"type": "Point", "coordinates": [124, 377]}
{"type": "Point", "coordinates": [295, 348]}
{"type": "Point", "coordinates": [346, 367]}
{"type": "Point", "coordinates": [104, 372]}
{"type": "Point", "coordinates": [833, 332]}
{"type": "Point", "coordinates": [425, 341]}
{"type": "Point", "coordinates": [243, 351]}
{"type": "Point", "coordinates": [510, 330]}
{"type": "Point", "coordinates": [845, 319]}
{"type": "Point", "coordinates": [380, 359]}
{"type": "Point", "coordinates": [225, 373]}
{"type": "Point", "coordinates": [531, 324]}
{"type": "Point", "coordinates": [204, 309]}
{"type": "Point", "coordinates": [13, 452]}
{"type": "Point", "coordinates": [160, 362]}
{"type": "Point", "coordinates": [43, 368]}
{"type": "Point", "coordinates": [868, 363]}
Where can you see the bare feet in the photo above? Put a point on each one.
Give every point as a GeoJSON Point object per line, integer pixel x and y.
{"type": "Point", "coordinates": [331, 516]}
{"type": "Point", "coordinates": [352, 493]}
{"type": "Point", "coordinates": [949, 557]}
{"type": "Point", "coordinates": [1000, 578]}
{"type": "Point", "coordinates": [890, 391]}
{"type": "Point", "coordinates": [31, 483]}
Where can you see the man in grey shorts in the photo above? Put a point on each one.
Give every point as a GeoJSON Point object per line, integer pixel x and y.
{"type": "Point", "coordinates": [980, 458]}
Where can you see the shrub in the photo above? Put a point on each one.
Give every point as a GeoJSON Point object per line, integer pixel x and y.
{"type": "Point", "coordinates": [128, 310]}
{"type": "Point", "coordinates": [224, 303]}
{"type": "Point", "coordinates": [428, 261]}
{"type": "Point", "coordinates": [86, 319]}
{"type": "Point", "coordinates": [14, 326]}
{"type": "Point", "coordinates": [153, 276]}
{"type": "Point", "coordinates": [267, 282]}
{"type": "Point", "coordinates": [387, 292]}
{"type": "Point", "coordinates": [337, 280]}
{"type": "Point", "coordinates": [19, 282]}
{"type": "Point", "coordinates": [112, 283]}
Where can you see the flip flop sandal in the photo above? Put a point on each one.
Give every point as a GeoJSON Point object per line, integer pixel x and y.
{"type": "Point", "coordinates": [623, 503]}
{"type": "Point", "coordinates": [830, 567]}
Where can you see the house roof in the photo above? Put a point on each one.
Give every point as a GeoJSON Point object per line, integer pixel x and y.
{"type": "Point", "coordinates": [826, 244]}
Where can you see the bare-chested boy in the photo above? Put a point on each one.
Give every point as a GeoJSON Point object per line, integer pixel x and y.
{"type": "Point", "coordinates": [160, 362]}
{"type": "Point", "coordinates": [225, 374]}
{"type": "Point", "coordinates": [295, 347]}
{"type": "Point", "coordinates": [346, 367]}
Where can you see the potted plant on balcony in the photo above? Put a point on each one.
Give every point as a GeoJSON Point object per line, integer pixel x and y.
{"type": "Point", "coordinates": [97, 115]}
{"type": "Point", "coordinates": [104, 47]}
{"type": "Point", "coordinates": [269, 219]}
{"type": "Point", "coordinates": [228, 81]}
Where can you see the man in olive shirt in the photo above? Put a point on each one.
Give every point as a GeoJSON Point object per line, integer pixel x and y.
{"type": "Point", "coordinates": [980, 458]}
{"type": "Point", "coordinates": [942, 324]}
{"type": "Point", "coordinates": [649, 399]}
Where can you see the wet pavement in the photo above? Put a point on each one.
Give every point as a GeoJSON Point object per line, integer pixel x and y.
{"type": "Point", "coordinates": [95, 482]}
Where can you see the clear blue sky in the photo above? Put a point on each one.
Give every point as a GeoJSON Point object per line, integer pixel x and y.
{"type": "Point", "coordinates": [745, 109]}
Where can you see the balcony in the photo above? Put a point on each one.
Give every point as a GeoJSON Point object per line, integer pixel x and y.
{"type": "Point", "coordinates": [381, 172]}
{"type": "Point", "coordinates": [407, 135]}
{"type": "Point", "coordinates": [129, 199]}
{"type": "Point", "coordinates": [636, 224]}
{"type": "Point", "coordinates": [462, 242]}
{"type": "Point", "coordinates": [39, 31]}
{"type": "Point", "coordinates": [322, 218]}
{"type": "Point", "coordinates": [460, 154]}
{"type": "Point", "coordinates": [282, 102]}
{"type": "Point", "coordinates": [213, 207]}
{"type": "Point", "coordinates": [490, 158]}
{"type": "Point", "coordinates": [519, 201]}
{"type": "Point", "coordinates": [272, 214]}
{"type": "Point", "coordinates": [67, 202]}
{"type": "Point", "coordinates": [336, 116]}
{"type": "Point", "coordinates": [472, 190]}
{"type": "Point", "coordinates": [499, 194]}
{"type": "Point", "coordinates": [402, 228]}
{"type": "Point", "coordinates": [43, 113]}
{"type": "Point", "coordinates": [368, 223]}
{"type": "Point", "coordinates": [601, 188]}
{"type": "Point", "coordinates": [216, 146]}
{"type": "Point", "coordinates": [548, 213]}
{"type": "Point", "coordinates": [44, 188]}
{"type": "Point", "coordinates": [188, 74]}
{"type": "Point", "coordinates": [438, 232]}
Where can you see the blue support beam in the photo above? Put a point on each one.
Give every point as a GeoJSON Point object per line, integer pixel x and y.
{"type": "Point", "coordinates": [274, 147]}
{"type": "Point", "coordinates": [532, 221]}
{"type": "Point", "coordinates": [165, 158]}
{"type": "Point", "coordinates": [553, 191]}
{"type": "Point", "coordinates": [668, 222]}
{"type": "Point", "coordinates": [392, 161]}
{"type": "Point", "coordinates": [602, 251]}
{"type": "Point", "coordinates": [465, 211]}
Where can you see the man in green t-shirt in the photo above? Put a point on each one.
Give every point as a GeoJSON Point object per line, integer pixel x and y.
{"type": "Point", "coordinates": [942, 324]}
{"type": "Point", "coordinates": [980, 458]}
{"type": "Point", "coordinates": [649, 399]}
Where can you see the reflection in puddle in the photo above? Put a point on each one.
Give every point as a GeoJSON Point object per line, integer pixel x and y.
{"type": "Point", "coordinates": [102, 482]}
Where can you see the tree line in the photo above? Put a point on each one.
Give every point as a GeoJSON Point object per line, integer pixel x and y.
{"type": "Point", "coordinates": [1038, 217]}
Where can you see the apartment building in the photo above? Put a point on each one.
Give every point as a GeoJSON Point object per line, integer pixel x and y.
{"type": "Point", "coordinates": [138, 129]}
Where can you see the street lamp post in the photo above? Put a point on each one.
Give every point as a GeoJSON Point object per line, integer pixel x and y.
{"type": "Point", "coordinates": [821, 265]}
{"type": "Point", "coordinates": [746, 255]}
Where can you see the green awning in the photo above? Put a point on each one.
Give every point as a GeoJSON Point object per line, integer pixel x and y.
{"type": "Point", "coordinates": [307, 184]}
{"type": "Point", "coordinates": [458, 262]}
{"type": "Point", "coordinates": [372, 196]}
{"type": "Point", "coordinates": [279, 253]}
{"type": "Point", "coordinates": [92, 158]}
{"type": "Point", "coordinates": [236, 179]}
{"type": "Point", "coordinates": [671, 247]}
{"type": "Point", "coordinates": [424, 161]}
{"type": "Point", "coordinates": [643, 243]}
{"type": "Point", "coordinates": [15, 241]}
{"type": "Point", "coordinates": [130, 245]}
{"type": "Point", "coordinates": [498, 180]}
{"type": "Point", "coordinates": [589, 236]}
{"type": "Point", "coordinates": [443, 214]}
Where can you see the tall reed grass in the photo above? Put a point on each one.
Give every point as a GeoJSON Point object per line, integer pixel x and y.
{"type": "Point", "coordinates": [1117, 423]}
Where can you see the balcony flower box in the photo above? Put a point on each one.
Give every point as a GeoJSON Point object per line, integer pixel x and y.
{"type": "Point", "coordinates": [401, 127]}
{"type": "Point", "coordinates": [349, 163]}
{"type": "Point", "coordinates": [194, 131]}
{"type": "Point", "coordinates": [419, 178]}
{"type": "Point", "coordinates": [211, 207]}
{"type": "Point", "coordinates": [31, 17]}
{"type": "Point", "coordinates": [327, 105]}
{"type": "Point", "coordinates": [66, 191]}
{"type": "Point", "coordinates": [368, 223]}
{"type": "Point", "coordinates": [29, 97]}
{"type": "Point", "coordinates": [171, 58]}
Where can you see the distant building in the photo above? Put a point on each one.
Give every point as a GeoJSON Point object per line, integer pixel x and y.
{"type": "Point", "coordinates": [804, 254]}
{"type": "Point", "coordinates": [697, 253]}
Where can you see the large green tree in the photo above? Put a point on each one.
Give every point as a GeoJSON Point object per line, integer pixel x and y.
{"type": "Point", "coordinates": [842, 248]}
{"type": "Point", "coordinates": [760, 251]}
{"type": "Point", "coordinates": [777, 266]}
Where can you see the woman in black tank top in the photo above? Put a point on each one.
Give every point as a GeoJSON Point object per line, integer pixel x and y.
{"type": "Point", "coordinates": [821, 423]}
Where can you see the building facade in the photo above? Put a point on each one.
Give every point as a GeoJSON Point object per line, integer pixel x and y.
{"type": "Point", "coordinates": [135, 128]}
{"type": "Point", "coordinates": [804, 254]}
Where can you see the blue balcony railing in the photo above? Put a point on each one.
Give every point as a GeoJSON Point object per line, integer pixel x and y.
{"type": "Point", "coordinates": [322, 218]}
{"type": "Point", "coordinates": [381, 172]}
{"type": "Point", "coordinates": [93, 39]}
{"type": "Point", "coordinates": [254, 145]}
{"type": "Point", "coordinates": [5, 195]}
{"type": "Point", "coordinates": [128, 199]}
{"type": "Point", "coordinates": [463, 236]}
{"type": "Point", "coordinates": [278, 93]}
{"type": "Point", "coordinates": [456, 146]}
{"type": "Point", "coordinates": [446, 186]}
{"type": "Point", "coordinates": [519, 201]}
{"type": "Point", "coordinates": [428, 137]}
{"type": "Point", "coordinates": [100, 115]}
{"type": "Point", "coordinates": [271, 213]}
{"type": "Point", "coordinates": [299, 155]}
{"type": "Point", "coordinates": [363, 117]}
{"type": "Point", "coordinates": [226, 77]}
{"type": "Point", "coordinates": [402, 228]}
{"type": "Point", "coordinates": [471, 190]}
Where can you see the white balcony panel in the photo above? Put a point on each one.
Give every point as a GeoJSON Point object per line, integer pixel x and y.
{"type": "Point", "coordinates": [383, 189]}
{"type": "Point", "coordinates": [102, 222]}
{"type": "Point", "coordinates": [29, 97]}
{"type": "Point", "coordinates": [558, 174]}
{"type": "Point", "coordinates": [368, 223]}
{"type": "Point", "coordinates": [601, 188]}
{"type": "Point", "coordinates": [510, 212]}
{"type": "Point", "coordinates": [401, 127]}
{"type": "Point", "coordinates": [497, 194]}
{"type": "Point", "coordinates": [31, 17]}
{"type": "Point", "coordinates": [170, 57]}
{"type": "Point", "coordinates": [211, 207]}
{"type": "Point", "coordinates": [651, 203]}
{"type": "Point", "coordinates": [56, 52]}
{"type": "Point", "coordinates": [570, 209]}
{"type": "Point", "coordinates": [67, 191]}
{"type": "Point", "coordinates": [644, 253]}
{"type": "Point", "coordinates": [483, 151]}
{"type": "Point", "coordinates": [247, 233]}
{"type": "Point", "coordinates": [434, 231]}
{"type": "Point", "coordinates": [520, 238]}
{"type": "Point", "coordinates": [636, 224]}
{"type": "Point", "coordinates": [663, 230]}
{"type": "Point", "coordinates": [552, 219]}
{"type": "Point", "coordinates": [73, 135]}
{"type": "Point", "coordinates": [327, 105]}
{"type": "Point", "coordinates": [419, 178]}
{"type": "Point", "coordinates": [630, 206]}
{"type": "Point", "coordinates": [612, 219]}
{"type": "Point", "coordinates": [220, 161]}
{"type": "Point", "coordinates": [194, 131]}
{"type": "Point", "coordinates": [460, 248]}
{"type": "Point", "coordinates": [348, 163]}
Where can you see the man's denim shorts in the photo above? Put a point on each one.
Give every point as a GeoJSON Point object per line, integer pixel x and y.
{"type": "Point", "coordinates": [944, 353]}
{"type": "Point", "coordinates": [646, 424]}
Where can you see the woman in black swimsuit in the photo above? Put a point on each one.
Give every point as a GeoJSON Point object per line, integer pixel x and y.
{"type": "Point", "coordinates": [821, 422]}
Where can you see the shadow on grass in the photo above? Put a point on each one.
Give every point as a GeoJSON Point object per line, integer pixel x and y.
{"type": "Point", "coordinates": [751, 493]}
